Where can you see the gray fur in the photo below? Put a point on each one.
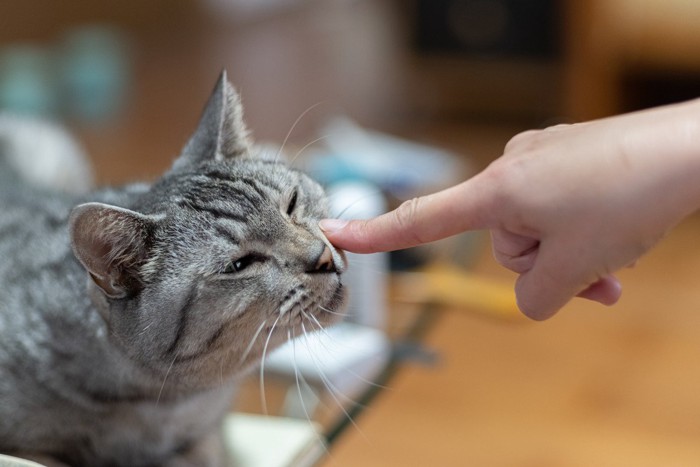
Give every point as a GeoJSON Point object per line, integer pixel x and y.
{"type": "Point", "coordinates": [123, 321]}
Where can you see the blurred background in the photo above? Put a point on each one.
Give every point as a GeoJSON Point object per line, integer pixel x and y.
{"type": "Point", "coordinates": [441, 85]}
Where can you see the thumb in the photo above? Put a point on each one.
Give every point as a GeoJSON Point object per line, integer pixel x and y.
{"type": "Point", "coordinates": [417, 221]}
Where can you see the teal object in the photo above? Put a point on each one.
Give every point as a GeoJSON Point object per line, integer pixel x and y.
{"type": "Point", "coordinates": [26, 81]}
{"type": "Point", "coordinates": [94, 72]}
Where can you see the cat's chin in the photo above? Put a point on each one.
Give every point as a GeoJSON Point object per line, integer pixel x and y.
{"type": "Point", "coordinates": [334, 309]}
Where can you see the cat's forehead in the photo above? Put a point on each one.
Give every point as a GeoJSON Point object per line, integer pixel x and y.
{"type": "Point", "coordinates": [274, 176]}
{"type": "Point", "coordinates": [273, 181]}
{"type": "Point", "coordinates": [222, 206]}
{"type": "Point", "coordinates": [252, 193]}
{"type": "Point", "coordinates": [224, 180]}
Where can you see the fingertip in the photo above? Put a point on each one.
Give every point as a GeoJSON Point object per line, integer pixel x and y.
{"type": "Point", "coordinates": [333, 229]}
{"type": "Point", "coordinates": [606, 291]}
{"type": "Point", "coordinates": [332, 226]}
{"type": "Point", "coordinates": [346, 235]}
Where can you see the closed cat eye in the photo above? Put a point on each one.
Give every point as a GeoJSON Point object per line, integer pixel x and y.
{"type": "Point", "coordinates": [292, 203]}
{"type": "Point", "coordinates": [240, 264]}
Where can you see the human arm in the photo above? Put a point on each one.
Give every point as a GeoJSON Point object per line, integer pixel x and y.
{"type": "Point", "coordinates": [566, 206]}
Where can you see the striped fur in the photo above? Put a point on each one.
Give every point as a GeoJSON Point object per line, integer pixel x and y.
{"type": "Point", "coordinates": [127, 315]}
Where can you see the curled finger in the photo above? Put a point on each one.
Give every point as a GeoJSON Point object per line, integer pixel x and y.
{"type": "Point", "coordinates": [513, 251]}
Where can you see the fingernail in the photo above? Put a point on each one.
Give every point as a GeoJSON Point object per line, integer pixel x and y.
{"type": "Point", "coordinates": [332, 225]}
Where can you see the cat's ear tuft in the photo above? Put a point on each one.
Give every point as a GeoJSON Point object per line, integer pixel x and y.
{"type": "Point", "coordinates": [111, 243]}
{"type": "Point", "coordinates": [221, 133]}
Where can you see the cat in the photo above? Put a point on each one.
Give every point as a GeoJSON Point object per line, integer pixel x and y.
{"type": "Point", "coordinates": [127, 315]}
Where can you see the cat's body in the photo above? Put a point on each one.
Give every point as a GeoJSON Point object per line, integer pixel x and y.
{"type": "Point", "coordinates": [125, 321]}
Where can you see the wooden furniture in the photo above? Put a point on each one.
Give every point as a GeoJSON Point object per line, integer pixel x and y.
{"type": "Point", "coordinates": [609, 40]}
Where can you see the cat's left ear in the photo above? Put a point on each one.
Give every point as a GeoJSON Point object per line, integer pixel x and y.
{"type": "Point", "coordinates": [221, 133]}
{"type": "Point", "coordinates": [111, 243]}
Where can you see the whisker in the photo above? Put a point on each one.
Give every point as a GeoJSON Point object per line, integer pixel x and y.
{"type": "Point", "coordinates": [305, 147]}
{"type": "Point", "coordinates": [331, 387]}
{"type": "Point", "coordinates": [361, 198]}
{"type": "Point", "coordinates": [321, 342]}
{"type": "Point", "coordinates": [263, 400]}
{"type": "Point", "coordinates": [303, 379]}
{"type": "Point", "coordinates": [298, 376]}
{"type": "Point", "coordinates": [334, 392]}
{"type": "Point", "coordinates": [296, 122]}
{"type": "Point", "coordinates": [337, 313]}
{"type": "Point", "coordinates": [252, 342]}
{"type": "Point", "coordinates": [307, 336]}
{"type": "Point", "coordinates": [358, 376]}
{"type": "Point", "coordinates": [318, 323]}
{"type": "Point", "coordinates": [145, 329]}
{"type": "Point", "coordinates": [165, 378]}
{"type": "Point", "coordinates": [311, 317]}
{"type": "Point", "coordinates": [324, 345]}
{"type": "Point", "coordinates": [221, 373]}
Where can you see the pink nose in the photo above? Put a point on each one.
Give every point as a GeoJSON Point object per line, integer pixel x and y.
{"type": "Point", "coordinates": [325, 261]}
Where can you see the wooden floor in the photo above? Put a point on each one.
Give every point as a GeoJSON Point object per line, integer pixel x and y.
{"type": "Point", "coordinates": [591, 387]}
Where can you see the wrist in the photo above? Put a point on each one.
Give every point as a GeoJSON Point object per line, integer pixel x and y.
{"type": "Point", "coordinates": [665, 142]}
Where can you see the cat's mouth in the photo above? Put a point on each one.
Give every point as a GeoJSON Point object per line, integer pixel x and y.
{"type": "Point", "coordinates": [305, 310]}
{"type": "Point", "coordinates": [334, 305]}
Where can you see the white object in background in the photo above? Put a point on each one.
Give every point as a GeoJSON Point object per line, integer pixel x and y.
{"type": "Point", "coordinates": [345, 356]}
{"type": "Point", "coordinates": [45, 154]}
{"type": "Point", "coordinates": [266, 441]}
{"type": "Point", "coordinates": [254, 441]}
{"type": "Point", "coordinates": [403, 168]}
{"type": "Point", "coordinates": [9, 461]}
{"type": "Point", "coordinates": [367, 275]}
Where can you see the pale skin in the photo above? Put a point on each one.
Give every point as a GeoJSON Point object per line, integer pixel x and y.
{"type": "Point", "coordinates": [567, 206]}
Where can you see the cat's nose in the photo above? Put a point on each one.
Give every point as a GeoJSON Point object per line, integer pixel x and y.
{"type": "Point", "coordinates": [324, 263]}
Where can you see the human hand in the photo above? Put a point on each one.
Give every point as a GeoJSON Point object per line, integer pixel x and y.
{"type": "Point", "coordinates": [567, 206]}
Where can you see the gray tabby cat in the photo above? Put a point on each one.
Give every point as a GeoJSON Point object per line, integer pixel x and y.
{"type": "Point", "coordinates": [127, 316]}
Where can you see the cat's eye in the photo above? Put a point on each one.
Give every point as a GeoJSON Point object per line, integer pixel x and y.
{"type": "Point", "coordinates": [292, 203]}
{"type": "Point", "coordinates": [240, 264]}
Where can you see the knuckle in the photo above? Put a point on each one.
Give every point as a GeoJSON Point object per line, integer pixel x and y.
{"type": "Point", "coordinates": [407, 219]}
{"type": "Point", "coordinates": [500, 180]}
{"type": "Point", "coordinates": [405, 215]}
{"type": "Point", "coordinates": [558, 127]}
{"type": "Point", "coordinates": [520, 140]}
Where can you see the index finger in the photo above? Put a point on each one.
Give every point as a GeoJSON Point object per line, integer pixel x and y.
{"type": "Point", "coordinates": [417, 221]}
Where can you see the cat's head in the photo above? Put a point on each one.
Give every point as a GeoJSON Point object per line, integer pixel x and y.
{"type": "Point", "coordinates": [221, 257]}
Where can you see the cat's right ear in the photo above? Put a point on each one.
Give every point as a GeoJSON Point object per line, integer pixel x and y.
{"type": "Point", "coordinates": [111, 243]}
{"type": "Point", "coordinates": [221, 133]}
